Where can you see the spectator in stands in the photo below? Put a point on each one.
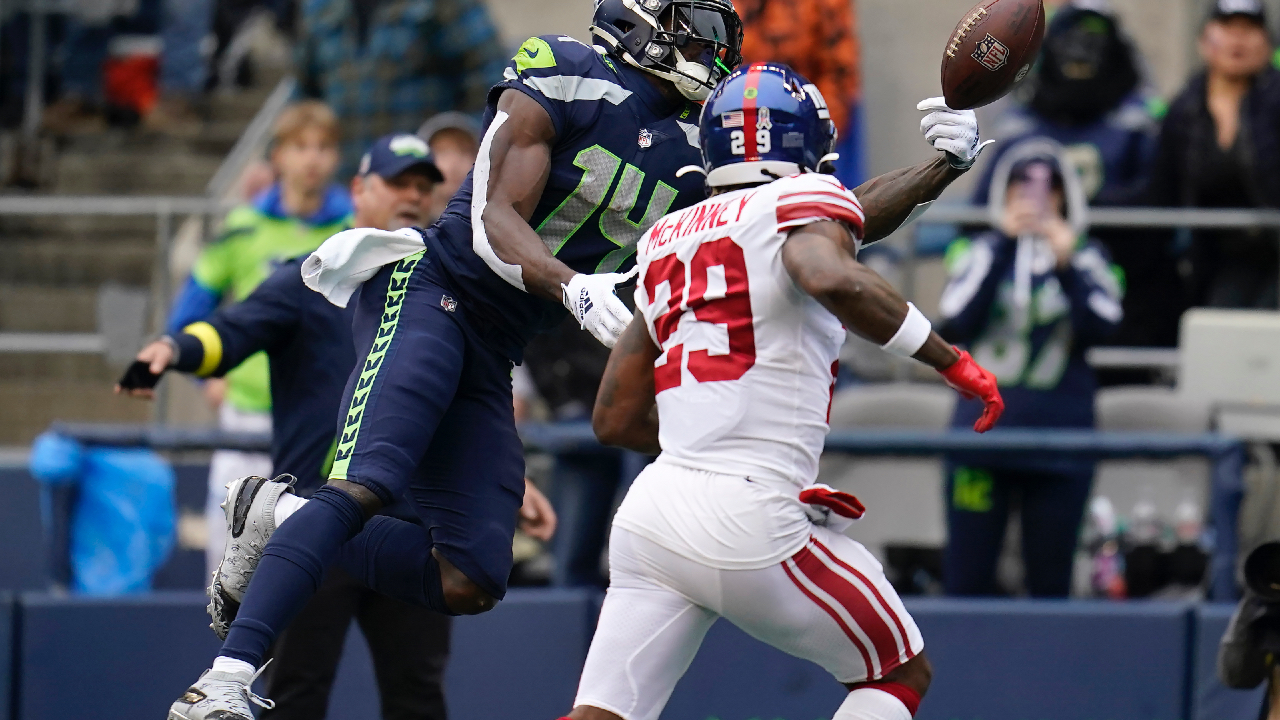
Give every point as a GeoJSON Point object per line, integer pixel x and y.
{"type": "Point", "coordinates": [297, 213]}
{"type": "Point", "coordinates": [1220, 148]}
{"type": "Point", "coordinates": [1027, 298]}
{"type": "Point", "coordinates": [454, 138]}
{"type": "Point", "coordinates": [819, 38]}
{"type": "Point", "coordinates": [383, 65]}
{"type": "Point", "coordinates": [184, 69]}
{"type": "Point", "coordinates": [80, 60]}
{"type": "Point", "coordinates": [1087, 93]}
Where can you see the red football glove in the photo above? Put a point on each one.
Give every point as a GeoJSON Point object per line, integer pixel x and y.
{"type": "Point", "coordinates": [971, 380]}
{"type": "Point", "coordinates": [839, 502]}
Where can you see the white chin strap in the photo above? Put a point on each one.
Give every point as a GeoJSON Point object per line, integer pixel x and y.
{"type": "Point", "coordinates": [691, 88]}
{"type": "Point", "coordinates": [694, 86]}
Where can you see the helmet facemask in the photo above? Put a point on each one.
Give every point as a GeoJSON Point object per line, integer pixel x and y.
{"type": "Point", "coordinates": [694, 44]}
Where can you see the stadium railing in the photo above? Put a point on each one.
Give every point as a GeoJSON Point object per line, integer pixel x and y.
{"type": "Point", "coordinates": [1226, 455]}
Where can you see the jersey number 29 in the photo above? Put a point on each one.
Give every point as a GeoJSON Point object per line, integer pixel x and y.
{"type": "Point", "coordinates": [718, 292]}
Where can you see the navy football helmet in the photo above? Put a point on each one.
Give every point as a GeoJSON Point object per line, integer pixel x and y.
{"type": "Point", "coordinates": [764, 122]}
{"type": "Point", "coordinates": [654, 35]}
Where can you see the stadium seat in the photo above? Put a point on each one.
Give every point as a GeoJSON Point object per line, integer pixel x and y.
{"type": "Point", "coordinates": [903, 495]}
{"type": "Point", "coordinates": [1165, 482]}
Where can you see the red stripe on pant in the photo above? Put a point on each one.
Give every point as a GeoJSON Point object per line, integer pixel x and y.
{"type": "Point", "coordinates": [856, 604]}
{"type": "Point", "coordinates": [906, 641]}
{"type": "Point", "coordinates": [835, 615]}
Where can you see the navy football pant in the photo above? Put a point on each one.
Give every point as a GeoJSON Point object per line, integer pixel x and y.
{"type": "Point", "coordinates": [429, 417]}
{"type": "Point", "coordinates": [978, 505]}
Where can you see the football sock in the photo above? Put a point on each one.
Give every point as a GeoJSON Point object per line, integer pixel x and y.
{"type": "Point", "coordinates": [291, 569]}
{"type": "Point", "coordinates": [394, 557]}
{"type": "Point", "coordinates": [231, 665]}
{"type": "Point", "coordinates": [879, 701]}
{"type": "Point", "coordinates": [286, 505]}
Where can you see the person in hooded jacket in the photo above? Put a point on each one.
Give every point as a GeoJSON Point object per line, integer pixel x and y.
{"type": "Point", "coordinates": [1088, 93]}
{"type": "Point", "coordinates": [1027, 298]}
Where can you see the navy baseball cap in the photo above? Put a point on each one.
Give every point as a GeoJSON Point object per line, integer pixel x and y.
{"type": "Point", "coordinates": [393, 154]}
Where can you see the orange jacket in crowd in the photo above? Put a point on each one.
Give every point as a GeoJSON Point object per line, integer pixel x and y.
{"type": "Point", "coordinates": [816, 37]}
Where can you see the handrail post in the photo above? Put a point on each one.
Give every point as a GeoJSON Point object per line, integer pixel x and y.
{"type": "Point", "coordinates": [162, 293]}
{"type": "Point", "coordinates": [34, 110]}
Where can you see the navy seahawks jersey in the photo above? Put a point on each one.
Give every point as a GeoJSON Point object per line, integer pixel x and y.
{"type": "Point", "coordinates": [618, 146]}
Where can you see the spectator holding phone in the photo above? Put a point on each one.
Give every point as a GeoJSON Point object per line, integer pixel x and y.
{"type": "Point", "coordinates": [1027, 298]}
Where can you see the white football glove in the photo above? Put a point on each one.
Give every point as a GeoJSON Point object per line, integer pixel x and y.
{"type": "Point", "coordinates": [595, 304]}
{"type": "Point", "coordinates": [954, 132]}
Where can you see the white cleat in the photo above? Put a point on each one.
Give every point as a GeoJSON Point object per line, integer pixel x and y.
{"type": "Point", "coordinates": [250, 509]}
{"type": "Point", "coordinates": [219, 696]}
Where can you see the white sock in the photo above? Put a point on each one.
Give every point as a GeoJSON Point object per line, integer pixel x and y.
{"type": "Point", "coordinates": [232, 665]}
{"type": "Point", "coordinates": [870, 704]}
{"type": "Point", "coordinates": [286, 505]}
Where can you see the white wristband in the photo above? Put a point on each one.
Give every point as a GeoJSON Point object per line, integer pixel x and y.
{"type": "Point", "coordinates": [911, 335]}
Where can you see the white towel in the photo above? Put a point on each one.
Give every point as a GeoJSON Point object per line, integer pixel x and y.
{"type": "Point", "coordinates": [347, 259]}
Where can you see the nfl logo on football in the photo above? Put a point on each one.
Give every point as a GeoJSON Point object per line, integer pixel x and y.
{"type": "Point", "coordinates": [646, 139]}
{"type": "Point", "coordinates": [991, 53]}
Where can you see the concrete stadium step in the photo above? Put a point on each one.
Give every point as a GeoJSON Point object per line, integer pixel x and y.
{"type": "Point", "coordinates": [54, 266]}
{"type": "Point", "coordinates": [124, 172]}
{"type": "Point", "coordinates": [77, 261]}
{"type": "Point", "coordinates": [32, 404]}
{"type": "Point", "coordinates": [74, 367]}
{"type": "Point", "coordinates": [40, 308]}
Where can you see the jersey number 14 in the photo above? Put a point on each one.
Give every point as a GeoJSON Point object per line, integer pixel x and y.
{"type": "Point", "coordinates": [599, 168]}
{"type": "Point", "coordinates": [718, 292]}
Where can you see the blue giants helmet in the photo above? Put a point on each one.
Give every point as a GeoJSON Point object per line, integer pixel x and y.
{"type": "Point", "coordinates": [765, 121]}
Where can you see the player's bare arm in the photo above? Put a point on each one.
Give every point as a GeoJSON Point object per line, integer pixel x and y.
{"type": "Point", "coordinates": [626, 412]}
{"type": "Point", "coordinates": [520, 162]}
{"type": "Point", "coordinates": [819, 257]}
{"type": "Point", "coordinates": [889, 199]}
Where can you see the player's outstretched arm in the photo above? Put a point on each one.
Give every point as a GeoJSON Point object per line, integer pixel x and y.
{"type": "Point", "coordinates": [890, 199]}
{"type": "Point", "coordinates": [517, 155]}
{"type": "Point", "coordinates": [626, 411]}
{"type": "Point", "coordinates": [819, 258]}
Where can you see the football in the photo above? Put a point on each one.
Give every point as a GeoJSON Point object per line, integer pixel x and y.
{"type": "Point", "coordinates": [990, 51]}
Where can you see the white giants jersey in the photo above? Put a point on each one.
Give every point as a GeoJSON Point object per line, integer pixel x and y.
{"type": "Point", "coordinates": [748, 359]}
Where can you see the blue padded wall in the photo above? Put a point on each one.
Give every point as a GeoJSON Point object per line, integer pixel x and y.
{"type": "Point", "coordinates": [23, 561]}
{"type": "Point", "coordinates": [736, 677]}
{"type": "Point", "coordinates": [1054, 660]}
{"type": "Point", "coordinates": [1212, 699]}
{"type": "Point", "coordinates": [993, 660]}
{"type": "Point", "coordinates": [130, 657]}
{"type": "Point", "coordinates": [6, 654]}
{"type": "Point", "coordinates": [519, 661]}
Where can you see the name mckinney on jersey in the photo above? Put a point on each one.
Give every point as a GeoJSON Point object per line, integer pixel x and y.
{"type": "Point", "coordinates": [703, 216]}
